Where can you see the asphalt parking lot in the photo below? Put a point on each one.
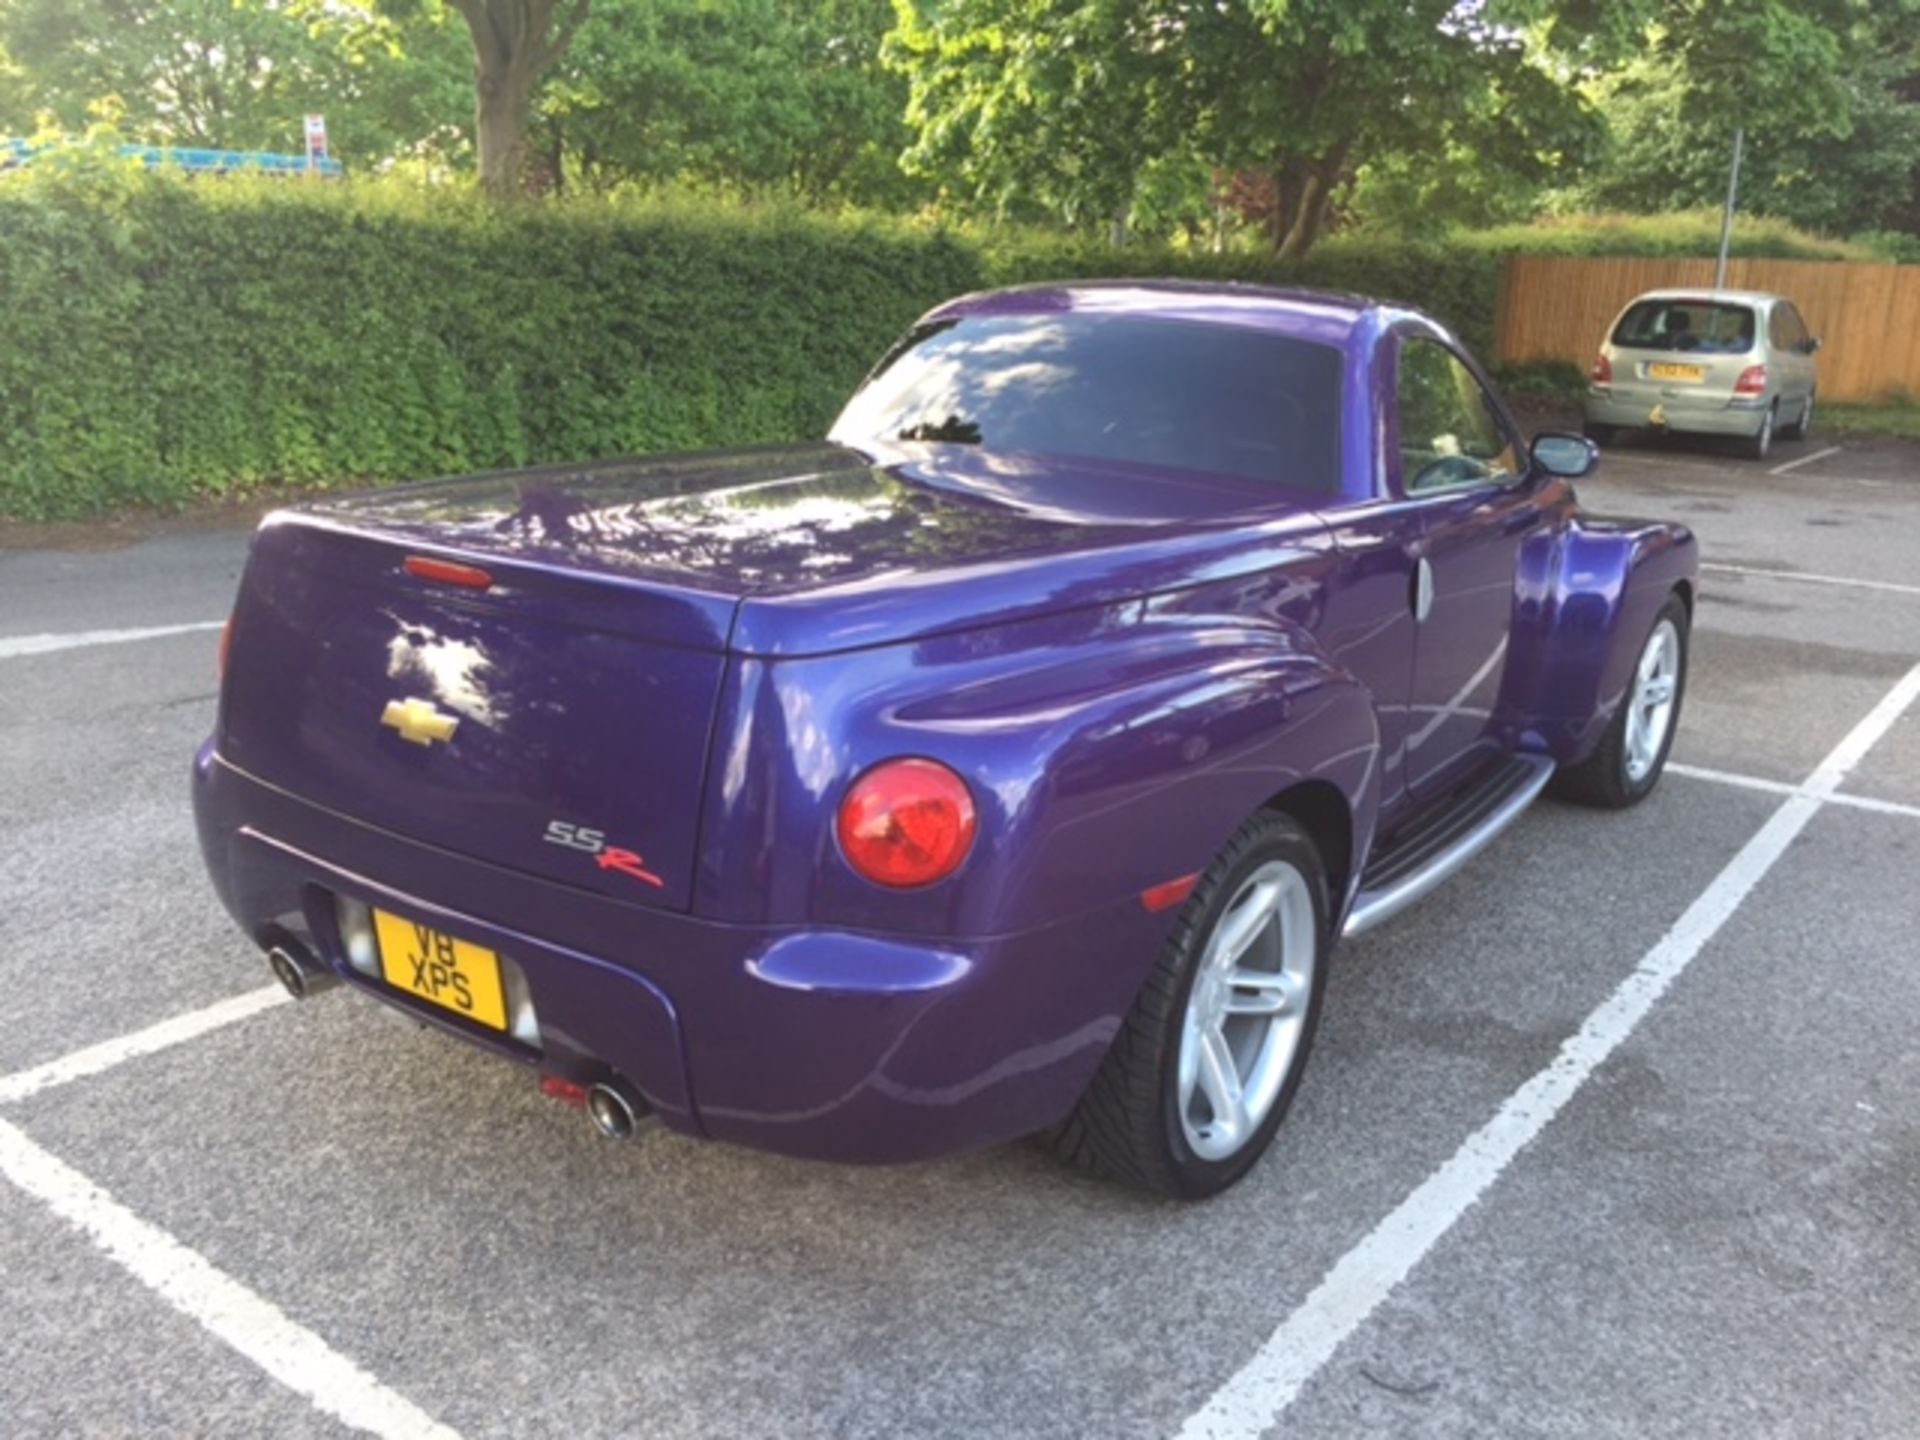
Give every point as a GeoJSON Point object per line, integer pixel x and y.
{"type": "Point", "coordinates": [1619, 1133]}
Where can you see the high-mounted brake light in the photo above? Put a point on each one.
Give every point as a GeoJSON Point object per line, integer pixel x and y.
{"type": "Point", "coordinates": [1752, 381]}
{"type": "Point", "coordinates": [907, 823]}
{"type": "Point", "coordinates": [448, 572]}
{"type": "Point", "coordinates": [1601, 371]}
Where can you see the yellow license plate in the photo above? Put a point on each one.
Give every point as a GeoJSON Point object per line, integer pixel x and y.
{"type": "Point", "coordinates": [1692, 374]}
{"type": "Point", "coordinates": [457, 974]}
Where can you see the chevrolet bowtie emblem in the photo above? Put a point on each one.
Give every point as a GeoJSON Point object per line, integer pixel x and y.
{"type": "Point", "coordinates": [418, 721]}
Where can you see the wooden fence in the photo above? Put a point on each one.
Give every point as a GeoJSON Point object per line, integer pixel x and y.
{"type": "Point", "coordinates": [1556, 307]}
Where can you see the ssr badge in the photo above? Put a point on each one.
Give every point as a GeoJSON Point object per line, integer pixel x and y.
{"type": "Point", "coordinates": [607, 857]}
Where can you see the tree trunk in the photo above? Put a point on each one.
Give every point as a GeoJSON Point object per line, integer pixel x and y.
{"type": "Point", "coordinates": [1313, 199]}
{"type": "Point", "coordinates": [514, 41]}
{"type": "Point", "coordinates": [1290, 178]}
{"type": "Point", "coordinates": [1309, 208]}
{"type": "Point", "coordinates": [503, 103]}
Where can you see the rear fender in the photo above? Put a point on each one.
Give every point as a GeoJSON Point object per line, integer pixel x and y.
{"type": "Point", "coordinates": [1109, 751]}
{"type": "Point", "coordinates": [1588, 594]}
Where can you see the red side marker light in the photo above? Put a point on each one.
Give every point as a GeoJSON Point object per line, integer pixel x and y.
{"type": "Point", "coordinates": [565, 1091]}
{"type": "Point", "coordinates": [1169, 893]}
{"type": "Point", "coordinates": [226, 649]}
{"type": "Point", "coordinates": [907, 823]}
{"type": "Point", "coordinates": [448, 572]}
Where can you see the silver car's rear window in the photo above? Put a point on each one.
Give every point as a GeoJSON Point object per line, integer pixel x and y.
{"type": "Point", "coordinates": [1703, 327]}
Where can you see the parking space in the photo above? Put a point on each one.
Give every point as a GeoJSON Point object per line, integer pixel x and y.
{"type": "Point", "coordinates": [1715, 1237]}
{"type": "Point", "coordinates": [1617, 1133]}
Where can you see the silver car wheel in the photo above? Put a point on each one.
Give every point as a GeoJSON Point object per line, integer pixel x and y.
{"type": "Point", "coordinates": [1806, 417]}
{"type": "Point", "coordinates": [1247, 1010]}
{"type": "Point", "coordinates": [1656, 684]}
{"type": "Point", "coordinates": [1763, 442]}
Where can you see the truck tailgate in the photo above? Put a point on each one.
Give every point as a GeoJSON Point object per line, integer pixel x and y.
{"type": "Point", "coordinates": [553, 722]}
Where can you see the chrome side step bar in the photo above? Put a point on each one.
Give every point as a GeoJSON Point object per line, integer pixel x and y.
{"type": "Point", "coordinates": [1420, 865]}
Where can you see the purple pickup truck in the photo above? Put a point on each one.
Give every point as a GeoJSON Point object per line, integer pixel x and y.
{"type": "Point", "coordinates": [1009, 762]}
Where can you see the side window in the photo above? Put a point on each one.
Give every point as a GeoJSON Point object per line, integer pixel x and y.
{"type": "Point", "coordinates": [1779, 329]}
{"type": "Point", "coordinates": [1797, 335]}
{"type": "Point", "coordinates": [1448, 433]}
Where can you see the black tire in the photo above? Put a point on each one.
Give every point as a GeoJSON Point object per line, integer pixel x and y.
{"type": "Point", "coordinates": [1802, 426]}
{"type": "Point", "coordinates": [1604, 779]}
{"type": "Point", "coordinates": [1127, 1125]}
{"type": "Point", "coordinates": [1759, 445]}
{"type": "Point", "coordinates": [1601, 434]}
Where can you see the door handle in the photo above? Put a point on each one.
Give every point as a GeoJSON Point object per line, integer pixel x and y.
{"type": "Point", "coordinates": [1421, 587]}
{"type": "Point", "coordinates": [1523, 519]}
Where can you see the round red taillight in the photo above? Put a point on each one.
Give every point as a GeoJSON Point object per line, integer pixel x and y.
{"type": "Point", "coordinates": [907, 823]}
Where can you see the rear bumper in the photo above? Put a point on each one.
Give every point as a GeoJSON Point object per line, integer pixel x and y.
{"type": "Point", "coordinates": [831, 1045]}
{"type": "Point", "coordinates": [1629, 412]}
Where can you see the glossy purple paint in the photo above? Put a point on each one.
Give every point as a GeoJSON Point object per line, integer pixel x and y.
{"type": "Point", "coordinates": [697, 654]}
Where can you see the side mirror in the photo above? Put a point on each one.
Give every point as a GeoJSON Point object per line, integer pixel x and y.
{"type": "Point", "coordinates": [1568, 456]}
{"type": "Point", "coordinates": [1813, 344]}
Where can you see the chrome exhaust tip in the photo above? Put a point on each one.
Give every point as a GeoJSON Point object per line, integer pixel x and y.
{"type": "Point", "coordinates": [299, 971]}
{"type": "Point", "coordinates": [617, 1109]}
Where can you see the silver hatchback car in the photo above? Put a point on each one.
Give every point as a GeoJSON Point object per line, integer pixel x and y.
{"type": "Point", "coordinates": [1705, 362]}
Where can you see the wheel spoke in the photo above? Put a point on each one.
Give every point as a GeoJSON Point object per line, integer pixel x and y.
{"type": "Point", "coordinates": [1189, 1059]}
{"type": "Point", "coordinates": [1244, 926]}
{"type": "Point", "coordinates": [1220, 1081]}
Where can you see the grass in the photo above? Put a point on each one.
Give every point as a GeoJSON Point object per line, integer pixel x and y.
{"type": "Point", "coordinates": [1897, 417]}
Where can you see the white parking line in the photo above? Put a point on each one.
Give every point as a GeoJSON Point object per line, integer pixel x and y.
{"type": "Point", "coordinates": [1760, 572]}
{"type": "Point", "coordinates": [228, 1310]}
{"type": "Point", "coordinates": [14, 646]}
{"type": "Point", "coordinates": [1255, 1397]}
{"type": "Point", "coordinates": [1780, 787]}
{"type": "Point", "coordinates": [1805, 460]}
{"type": "Point", "coordinates": [167, 1033]}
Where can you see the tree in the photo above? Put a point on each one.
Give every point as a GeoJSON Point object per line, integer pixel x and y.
{"type": "Point", "coordinates": [230, 74]}
{"type": "Point", "coordinates": [758, 95]}
{"type": "Point", "coordinates": [1308, 92]}
{"type": "Point", "coordinates": [1828, 94]}
{"type": "Point", "coordinates": [1067, 102]}
{"type": "Point", "coordinates": [514, 43]}
{"type": "Point", "coordinates": [1031, 108]}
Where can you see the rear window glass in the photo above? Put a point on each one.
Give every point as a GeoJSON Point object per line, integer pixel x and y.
{"type": "Point", "coordinates": [1706, 327]}
{"type": "Point", "coordinates": [1193, 396]}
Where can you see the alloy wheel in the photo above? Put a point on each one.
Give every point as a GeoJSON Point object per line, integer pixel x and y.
{"type": "Point", "coordinates": [1656, 684]}
{"type": "Point", "coordinates": [1247, 1010]}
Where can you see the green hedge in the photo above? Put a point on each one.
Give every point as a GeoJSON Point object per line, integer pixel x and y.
{"type": "Point", "coordinates": [1672, 233]}
{"type": "Point", "coordinates": [175, 340]}
{"type": "Point", "coordinates": [164, 339]}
